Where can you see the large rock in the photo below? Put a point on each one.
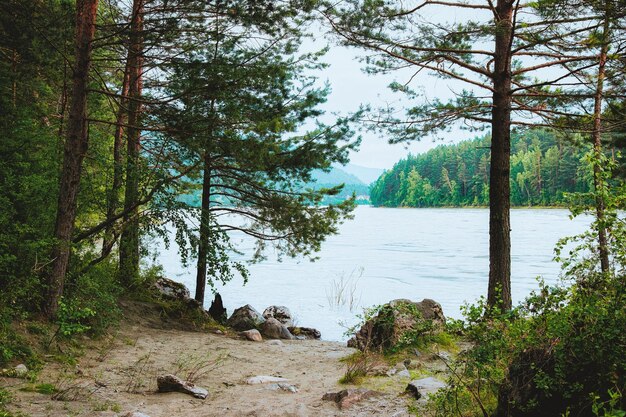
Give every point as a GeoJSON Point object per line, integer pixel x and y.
{"type": "Point", "coordinates": [280, 313]}
{"type": "Point", "coordinates": [305, 333]}
{"type": "Point", "coordinates": [273, 329]}
{"type": "Point", "coordinates": [245, 318]}
{"type": "Point", "coordinates": [421, 387]}
{"type": "Point", "coordinates": [217, 310]}
{"type": "Point", "coordinates": [172, 289]}
{"type": "Point", "coordinates": [172, 383]}
{"type": "Point", "coordinates": [398, 321]}
{"type": "Point", "coordinates": [348, 397]}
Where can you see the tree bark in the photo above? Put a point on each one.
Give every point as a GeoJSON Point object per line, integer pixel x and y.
{"type": "Point", "coordinates": [76, 144]}
{"type": "Point", "coordinates": [499, 291]}
{"type": "Point", "coordinates": [118, 143]}
{"type": "Point", "coordinates": [205, 230]}
{"type": "Point", "coordinates": [598, 181]}
{"type": "Point", "coordinates": [129, 240]}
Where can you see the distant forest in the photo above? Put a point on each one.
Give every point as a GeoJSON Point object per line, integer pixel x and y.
{"type": "Point", "coordinates": [543, 168]}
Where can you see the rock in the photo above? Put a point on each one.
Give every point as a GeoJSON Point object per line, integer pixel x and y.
{"type": "Point", "coordinates": [275, 342]}
{"type": "Point", "coordinates": [245, 318]}
{"type": "Point", "coordinates": [273, 329]}
{"type": "Point", "coordinates": [217, 310]}
{"type": "Point", "coordinates": [172, 383]}
{"type": "Point", "coordinates": [395, 320]}
{"type": "Point", "coordinates": [136, 414]}
{"type": "Point", "coordinates": [252, 335]}
{"type": "Point", "coordinates": [283, 386]}
{"type": "Point", "coordinates": [404, 373]}
{"type": "Point", "coordinates": [421, 387]}
{"type": "Point", "coordinates": [172, 289]}
{"type": "Point", "coordinates": [305, 332]}
{"type": "Point", "coordinates": [20, 370]}
{"type": "Point", "coordinates": [264, 379]}
{"type": "Point", "coordinates": [400, 370]}
{"type": "Point", "coordinates": [349, 397]}
{"type": "Point", "coordinates": [280, 313]}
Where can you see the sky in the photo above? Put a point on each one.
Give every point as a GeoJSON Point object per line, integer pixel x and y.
{"type": "Point", "coordinates": [352, 87]}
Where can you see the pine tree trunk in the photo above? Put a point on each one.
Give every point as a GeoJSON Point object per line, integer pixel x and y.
{"type": "Point", "coordinates": [205, 230]}
{"type": "Point", "coordinates": [76, 144]}
{"type": "Point", "coordinates": [598, 181]}
{"type": "Point", "coordinates": [129, 240]}
{"type": "Point", "coordinates": [499, 291]}
{"type": "Point", "coordinates": [118, 142]}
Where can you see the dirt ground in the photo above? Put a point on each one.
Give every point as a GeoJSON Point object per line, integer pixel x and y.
{"type": "Point", "coordinates": [118, 376]}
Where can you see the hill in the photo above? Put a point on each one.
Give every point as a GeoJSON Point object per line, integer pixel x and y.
{"type": "Point", "coordinates": [543, 169]}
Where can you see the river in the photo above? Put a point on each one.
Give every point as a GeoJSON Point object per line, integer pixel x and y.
{"type": "Point", "coordinates": [386, 253]}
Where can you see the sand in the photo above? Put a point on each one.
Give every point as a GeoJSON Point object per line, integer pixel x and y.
{"type": "Point", "coordinates": [117, 375]}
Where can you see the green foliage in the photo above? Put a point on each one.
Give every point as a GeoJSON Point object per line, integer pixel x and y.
{"type": "Point", "coordinates": [72, 319]}
{"type": "Point", "coordinates": [543, 169]}
{"type": "Point", "coordinates": [561, 352]}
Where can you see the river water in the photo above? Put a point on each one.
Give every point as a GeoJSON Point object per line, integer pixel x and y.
{"type": "Point", "coordinates": [384, 254]}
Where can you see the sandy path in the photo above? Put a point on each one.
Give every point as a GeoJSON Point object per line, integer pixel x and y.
{"type": "Point", "coordinates": [140, 352]}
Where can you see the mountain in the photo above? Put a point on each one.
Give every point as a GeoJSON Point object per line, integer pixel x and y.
{"type": "Point", "coordinates": [366, 174]}
{"type": "Point", "coordinates": [336, 176]}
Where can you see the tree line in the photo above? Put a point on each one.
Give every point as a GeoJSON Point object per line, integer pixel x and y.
{"type": "Point", "coordinates": [545, 169]}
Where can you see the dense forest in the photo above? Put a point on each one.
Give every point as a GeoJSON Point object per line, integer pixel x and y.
{"type": "Point", "coordinates": [544, 169]}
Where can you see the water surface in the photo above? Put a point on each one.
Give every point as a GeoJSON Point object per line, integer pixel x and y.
{"type": "Point", "coordinates": [386, 253]}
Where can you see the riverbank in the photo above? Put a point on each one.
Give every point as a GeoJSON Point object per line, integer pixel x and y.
{"type": "Point", "coordinates": [117, 375]}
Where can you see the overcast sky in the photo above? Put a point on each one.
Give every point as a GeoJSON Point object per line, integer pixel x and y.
{"type": "Point", "coordinates": [352, 87]}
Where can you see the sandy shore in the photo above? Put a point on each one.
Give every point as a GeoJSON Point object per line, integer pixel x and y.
{"type": "Point", "coordinates": [118, 376]}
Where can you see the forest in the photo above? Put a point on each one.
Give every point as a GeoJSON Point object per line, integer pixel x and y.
{"type": "Point", "coordinates": [189, 121]}
{"type": "Point", "coordinates": [544, 170]}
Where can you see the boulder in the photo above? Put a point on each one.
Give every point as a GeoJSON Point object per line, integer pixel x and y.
{"type": "Point", "coordinates": [217, 310]}
{"type": "Point", "coordinates": [273, 329]}
{"type": "Point", "coordinates": [305, 332]}
{"type": "Point", "coordinates": [348, 397]}
{"type": "Point", "coordinates": [395, 321]}
{"type": "Point", "coordinates": [280, 313]}
{"type": "Point", "coordinates": [245, 318]}
{"type": "Point", "coordinates": [172, 289]}
{"type": "Point", "coordinates": [252, 335]}
{"type": "Point", "coordinates": [422, 387]}
{"type": "Point", "coordinates": [172, 383]}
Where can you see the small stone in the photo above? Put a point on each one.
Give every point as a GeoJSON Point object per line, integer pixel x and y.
{"type": "Point", "coordinates": [404, 373]}
{"type": "Point", "coordinates": [264, 379]}
{"type": "Point", "coordinates": [283, 387]}
{"type": "Point", "coordinates": [253, 335]}
{"type": "Point", "coordinates": [275, 342]}
{"type": "Point", "coordinates": [348, 397]}
{"type": "Point", "coordinates": [420, 387]}
{"type": "Point", "coordinates": [136, 414]}
{"type": "Point", "coordinates": [20, 370]}
{"type": "Point", "coordinates": [304, 333]}
{"type": "Point", "coordinates": [218, 331]}
{"type": "Point", "coordinates": [172, 383]}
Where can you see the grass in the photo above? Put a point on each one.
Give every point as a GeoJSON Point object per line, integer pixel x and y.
{"type": "Point", "coordinates": [343, 291]}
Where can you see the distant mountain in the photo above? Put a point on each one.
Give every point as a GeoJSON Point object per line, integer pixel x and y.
{"type": "Point", "coordinates": [336, 176]}
{"type": "Point", "coordinates": [365, 174]}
